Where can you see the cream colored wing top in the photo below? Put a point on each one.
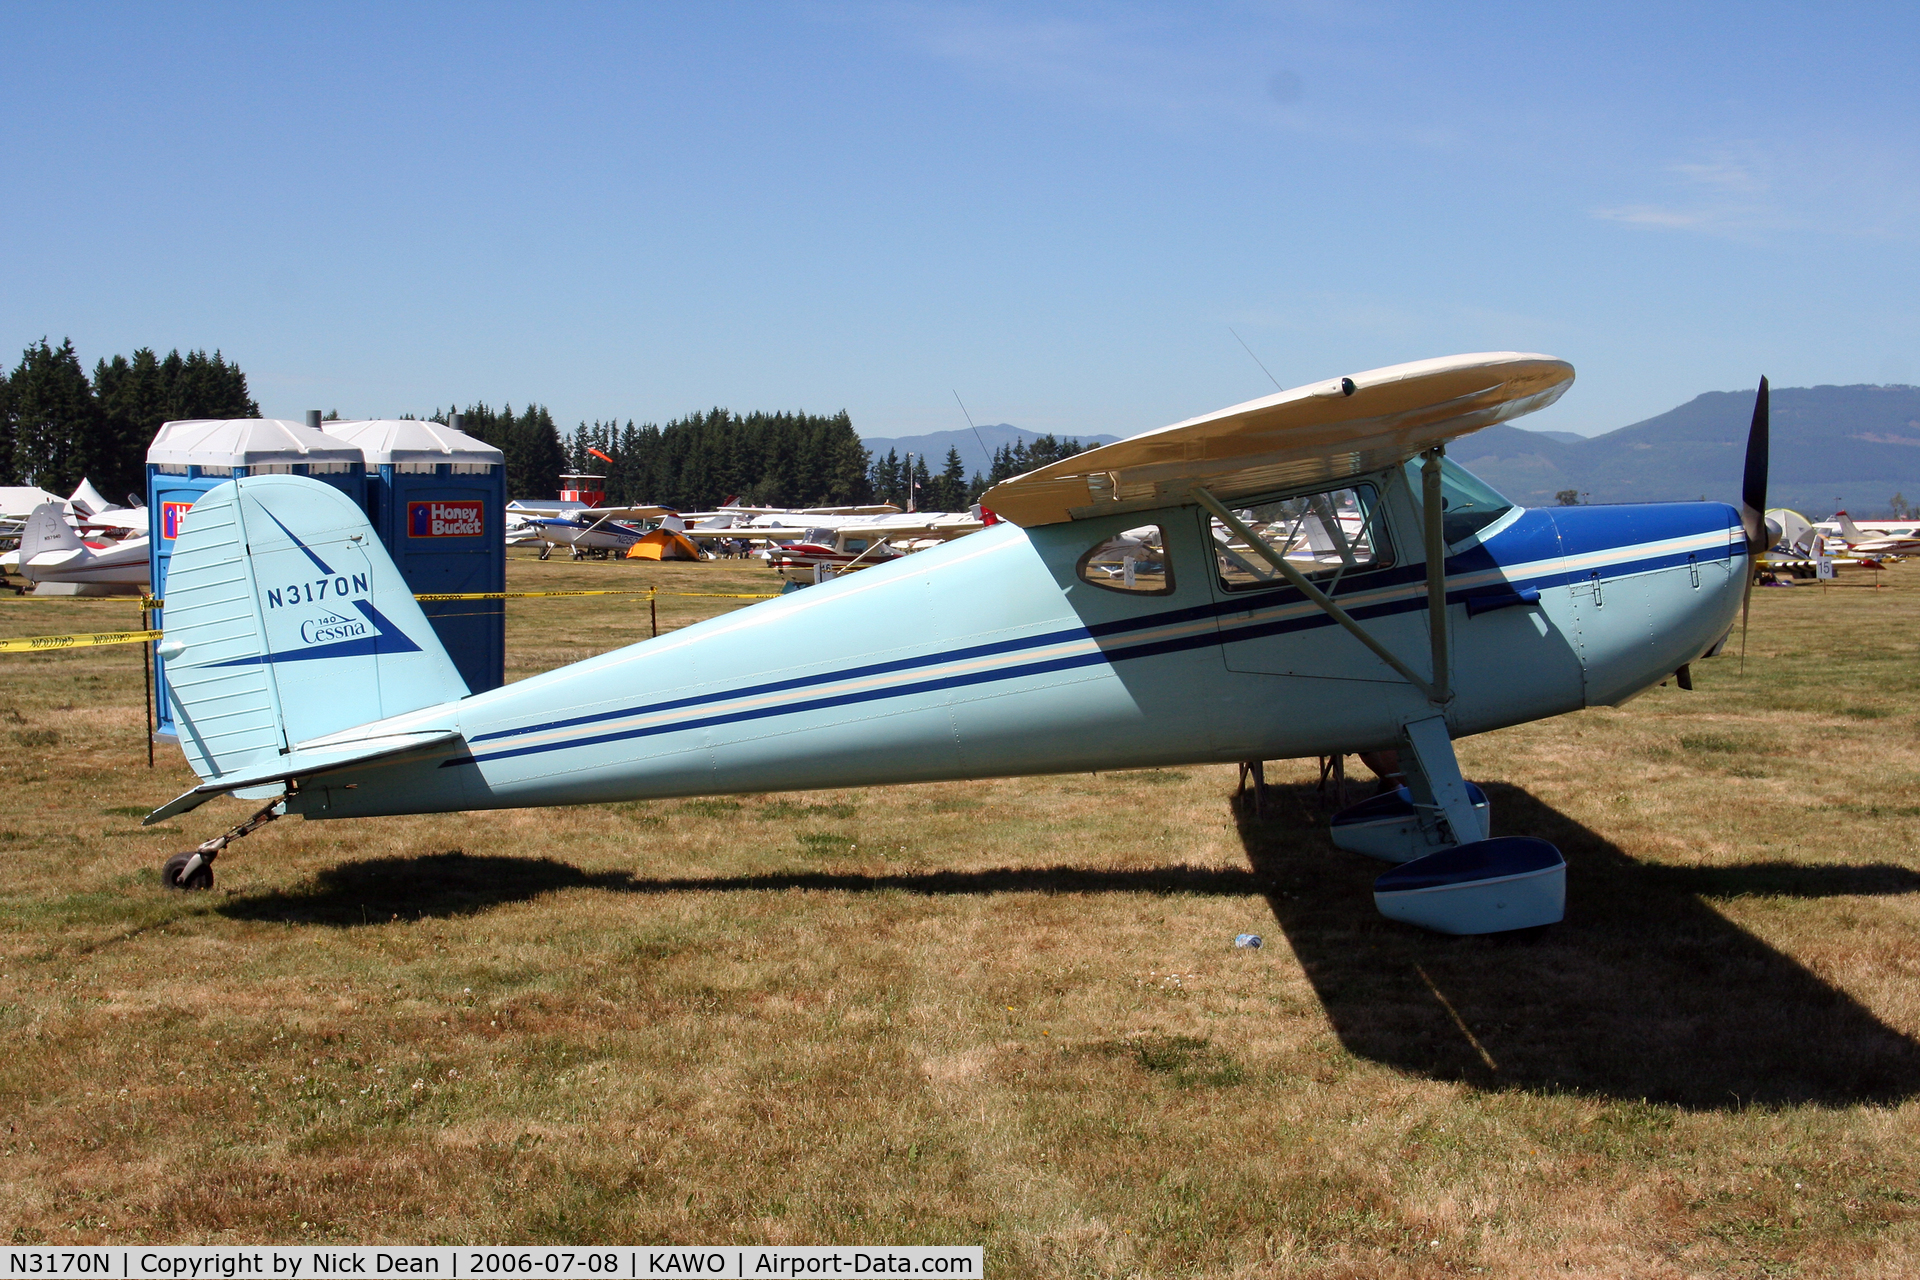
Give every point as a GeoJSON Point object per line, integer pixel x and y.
{"type": "Point", "coordinates": [1323, 432]}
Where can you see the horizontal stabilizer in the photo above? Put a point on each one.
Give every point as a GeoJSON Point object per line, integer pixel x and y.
{"type": "Point", "coordinates": [302, 763]}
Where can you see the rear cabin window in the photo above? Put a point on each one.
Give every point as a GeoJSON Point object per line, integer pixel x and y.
{"type": "Point", "coordinates": [1135, 560]}
{"type": "Point", "coordinates": [1323, 535]}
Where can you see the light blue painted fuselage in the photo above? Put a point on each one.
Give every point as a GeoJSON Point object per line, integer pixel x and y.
{"type": "Point", "coordinates": [990, 656]}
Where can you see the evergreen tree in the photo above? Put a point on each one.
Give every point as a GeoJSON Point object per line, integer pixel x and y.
{"type": "Point", "coordinates": [531, 442]}
{"type": "Point", "coordinates": [7, 473]}
{"type": "Point", "coordinates": [138, 395]}
{"type": "Point", "coordinates": [948, 490]}
{"type": "Point", "coordinates": [700, 461]}
{"type": "Point", "coordinates": [133, 404]}
{"type": "Point", "coordinates": [59, 427]}
{"type": "Point", "coordinates": [55, 418]}
{"type": "Point", "coordinates": [885, 484]}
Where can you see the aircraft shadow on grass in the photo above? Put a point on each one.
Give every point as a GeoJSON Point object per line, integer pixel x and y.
{"type": "Point", "coordinates": [1644, 992]}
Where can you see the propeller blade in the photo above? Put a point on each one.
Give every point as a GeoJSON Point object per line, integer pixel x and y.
{"type": "Point", "coordinates": [1753, 506]}
{"type": "Point", "coordinates": [1753, 484]}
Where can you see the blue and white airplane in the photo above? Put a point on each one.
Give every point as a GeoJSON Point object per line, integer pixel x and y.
{"type": "Point", "coordinates": [1300, 575]}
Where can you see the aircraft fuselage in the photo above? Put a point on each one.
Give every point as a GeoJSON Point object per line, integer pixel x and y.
{"type": "Point", "coordinates": [993, 656]}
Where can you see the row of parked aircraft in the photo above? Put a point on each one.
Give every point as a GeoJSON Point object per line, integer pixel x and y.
{"type": "Point", "coordinates": [82, 541]}
{"type": "Point", "coordinates": [1800, 544]}
{"type": "Point", "coordinates": [832, 538]}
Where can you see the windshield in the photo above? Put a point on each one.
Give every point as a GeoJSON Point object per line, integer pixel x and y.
{"type": "Point", "coordinates": [1470, 503]}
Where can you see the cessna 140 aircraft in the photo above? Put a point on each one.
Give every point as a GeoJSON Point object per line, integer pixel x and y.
{"type": "Point", "coordinates": [1425, 608]}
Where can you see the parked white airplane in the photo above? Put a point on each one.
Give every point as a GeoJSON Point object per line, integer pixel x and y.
{"type": "Point", "coordinates": [51, 550]}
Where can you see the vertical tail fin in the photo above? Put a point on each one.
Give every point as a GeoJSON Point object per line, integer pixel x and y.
{"type": "Point", "coordinates": [285, 621]}
{"type": "Point", "coordinates": [47, 530]}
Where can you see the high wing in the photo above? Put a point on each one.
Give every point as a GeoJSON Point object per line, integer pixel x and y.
{"type": "Point", "coordinates": [876, 509]}
{"type": "Point", "coordinates": [1320, 433]}
{"type": "Point", "coordinates": [578, 511]}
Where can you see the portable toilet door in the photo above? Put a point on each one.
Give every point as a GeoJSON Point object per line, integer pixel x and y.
{"type": "Point", "coordinates": [186, 459]}
{"type": "Point", "coordinates": [437, 499]}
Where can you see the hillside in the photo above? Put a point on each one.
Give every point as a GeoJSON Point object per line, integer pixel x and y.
{"type": "Point", "coordinates": [1853, 447]}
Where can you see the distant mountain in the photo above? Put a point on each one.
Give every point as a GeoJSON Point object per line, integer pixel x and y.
{"type": "Point", "coordinates": [1564, 437]}
{"type": "Point", "coordinates": [1853, 447]}
{"type": "Point", "coordinates": [935, 445]}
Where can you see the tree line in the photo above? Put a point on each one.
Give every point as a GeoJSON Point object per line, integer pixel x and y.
{"type": "Point", "coordinates": [529, 440]}
{"type": "Point", "coordinates": [700, 461]}
{"type": "Point", "coordinates": [58, 426]}
{"type": "Point", "coordinates": [897, 480]}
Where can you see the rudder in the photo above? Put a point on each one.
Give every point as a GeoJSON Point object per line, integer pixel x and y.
{"type": "Point", "coordinates": [46, 529]}
{"type": "Point", "coordinates": [285, 621]}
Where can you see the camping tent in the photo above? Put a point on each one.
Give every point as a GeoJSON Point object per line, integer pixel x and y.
{"type": "Point", "coordinates": [664, 544]}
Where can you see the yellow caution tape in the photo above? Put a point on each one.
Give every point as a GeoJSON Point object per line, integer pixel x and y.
{"type": "Point", "coordinates": [35, 644]}
{"type": "Point", "coordinates": [517, 595]}
{"type": "Point", "coordinates": [151, 602]}
{"type": "Point", "coordinates": [40, 644]}
{"type": "Point", "coordinates": [535, 595]}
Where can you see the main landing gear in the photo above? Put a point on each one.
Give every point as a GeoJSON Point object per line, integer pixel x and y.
{"type": "Point", "coordinates": [1451, 874]}
{"type": "Point", "coordinates": [194, 870]}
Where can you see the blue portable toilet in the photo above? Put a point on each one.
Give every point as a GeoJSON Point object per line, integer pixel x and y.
{"type": "Point", "coordinates": [437, 498]}
{"type": "Point", "coordinates": [186, 459]}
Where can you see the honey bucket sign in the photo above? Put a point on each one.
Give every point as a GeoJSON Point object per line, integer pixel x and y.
{"type": "Point", "coordinates": [172, 515]}
{"type": "Point", "coordinates": [446, 519]}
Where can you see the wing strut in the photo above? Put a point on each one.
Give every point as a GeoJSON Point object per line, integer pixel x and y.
{"type": "Point", "coordinates": [1436, 693]}
{"type": "Point", "coordinates": [1433, 507]}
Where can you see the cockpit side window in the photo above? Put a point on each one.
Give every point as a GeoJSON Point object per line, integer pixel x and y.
{"type": "Point", "coordinates": [1133, 561]}
{"type": "Point", "coordinates": [1323, 535]}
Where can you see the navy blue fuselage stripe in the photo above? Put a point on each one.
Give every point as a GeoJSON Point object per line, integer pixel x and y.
{"type": "Point", "coordinates": [800, 682]}
{"type": "Point", "coordinates": [1284, 597]}
{"type": "Point", "coordinates": [812, 704]}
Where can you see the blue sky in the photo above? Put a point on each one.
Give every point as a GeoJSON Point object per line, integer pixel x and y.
{"type": "Point", "coordinates": [1061, 211]}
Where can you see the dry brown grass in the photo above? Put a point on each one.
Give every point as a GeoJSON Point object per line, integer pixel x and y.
{"type": "Point", "coordinates": [1002, 1012]}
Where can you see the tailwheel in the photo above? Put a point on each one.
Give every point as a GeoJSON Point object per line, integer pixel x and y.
{"type": "Point", "coordinates": [201, 877]}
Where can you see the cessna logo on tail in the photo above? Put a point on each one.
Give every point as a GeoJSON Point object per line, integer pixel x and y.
{"type": "Point", "coordinates": [357, 631]}
{"type": "Point", "coordinates": [334, 627]}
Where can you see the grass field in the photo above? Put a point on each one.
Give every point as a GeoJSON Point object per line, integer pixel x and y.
{"type": "Point", "coordinates": [1004, 1012]}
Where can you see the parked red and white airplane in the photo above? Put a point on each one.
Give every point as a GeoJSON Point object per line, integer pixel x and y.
{"type": "Point", "coordinates": [807, 540]}
{"type": "Point", "coordinates": [1888, 538]}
